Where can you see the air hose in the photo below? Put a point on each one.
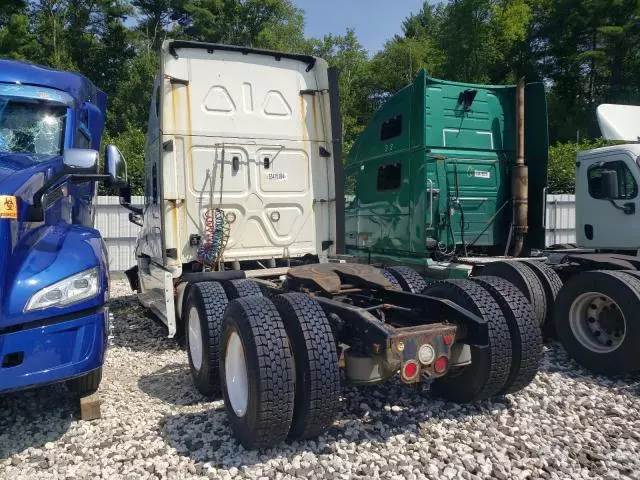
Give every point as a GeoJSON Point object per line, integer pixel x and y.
{"type": "Point", "coordinates": [216, 235]}
{"type": "Point", "coordinates": [216, 228]}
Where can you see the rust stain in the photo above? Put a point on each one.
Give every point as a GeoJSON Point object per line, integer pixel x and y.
{"type": "Point", "coordinates": [175, 108]}
{"type": "Point", "coordinates": [187, 162]}
{"type": "Point", "coordinates": [315, 117]}
{"type": "Point", "coordinates": [303, 119]}
{"type": "Point", "coordinates": [174, 214]}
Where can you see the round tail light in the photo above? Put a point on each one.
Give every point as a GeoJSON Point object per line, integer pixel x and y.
{"type": "Point", "coordinates": [441, 364]}
{"type": "Point", "coordinates": [410, 369]}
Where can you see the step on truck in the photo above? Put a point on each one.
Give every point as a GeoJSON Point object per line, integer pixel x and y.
{"type": "Point", "coordinates": [53, 263]}
{"type": "Point", "coordinates": [450, 179]}
{"type": "Point", "coordinates": [240, 255]}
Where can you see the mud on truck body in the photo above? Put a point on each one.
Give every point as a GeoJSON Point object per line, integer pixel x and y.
{"type": "Point", "coordinates": [240, 254]}
{"type": "Point", "coordinates": [53, 263]}
{"type": "Point", "coordinates": [450, 179]}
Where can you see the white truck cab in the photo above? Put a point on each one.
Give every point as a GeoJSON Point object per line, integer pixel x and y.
{"type": "Point", "coordinates": [607, 180]}
{"type": "Point", "coordinates": [239, 166]}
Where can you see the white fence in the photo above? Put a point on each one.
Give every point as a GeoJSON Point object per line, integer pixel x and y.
{"type": "Point", "coordinates": [120, 235]}
{"type": "Point", "coordinates": [118, 232]}
{"type": "Point", "coordinates": [561, 219]}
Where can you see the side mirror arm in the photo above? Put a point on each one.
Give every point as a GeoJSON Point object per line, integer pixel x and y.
{"type": "Point", "coordinates": [125, 201]}
{"type": "Point", "coordinates": [36, 211]}
{"type": "Point", "coordinates": [133, 209]}
{"type": "Point", "coordinates": [627, 208]}
{"type": "Point", "coordinates": [135, 219]}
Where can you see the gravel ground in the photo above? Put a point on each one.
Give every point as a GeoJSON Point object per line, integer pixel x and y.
{"type": "Point", "coordinates": [567, 424]}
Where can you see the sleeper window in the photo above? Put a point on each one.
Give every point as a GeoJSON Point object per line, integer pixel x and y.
{"type": "Point", "coordinates": [389, 177]}
{"type": "Point", "coordinates": [391, 128]}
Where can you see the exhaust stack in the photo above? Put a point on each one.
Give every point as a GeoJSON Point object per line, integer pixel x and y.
{"type": "Point", "coordinates": [520, 178]}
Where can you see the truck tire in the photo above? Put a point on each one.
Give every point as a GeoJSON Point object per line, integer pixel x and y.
{"type": "Point", "coordinates": [241, 288]}
{"type": "Point", "coordinates": [489, 369]}
{"type": "Point", "coordinates": [634, 273]}
{"type": "Point", "coordinates": [526, 337]}
{"type": "Point", "coordinates": [203, 314]}
{"type": "Point", "coordinates": [551, 284]}
{"type": "Point", "coordinates": [392, 280]}
{"type": "Point", "coordinates": [408, 279]}
{"type": "Point", "coordinates": [86, 384]}
{"type": "Point", "coordinates": [596, 320]}
{"type": "Point", "coordinates": [317, 398]}
{"type": "Point", "coordinates": [525, 280]}
{"type": "Point", "coordinates": [258, 373]}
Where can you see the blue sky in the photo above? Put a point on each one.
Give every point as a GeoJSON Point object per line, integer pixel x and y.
{"type": "Point", "coordinates": [375, 21]}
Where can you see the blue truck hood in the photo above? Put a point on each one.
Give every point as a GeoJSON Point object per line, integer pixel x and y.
{"type": "Point", "coordinates": [17, 169]}
{"type": "Point", "coordinates": [21, 175]}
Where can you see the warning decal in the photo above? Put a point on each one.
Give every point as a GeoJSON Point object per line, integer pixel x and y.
{"type": "Point", "coordinates": [8, 207]}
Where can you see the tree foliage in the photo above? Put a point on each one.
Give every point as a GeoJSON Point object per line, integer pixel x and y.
{"type": "Point", "coordinates": [586, 53]}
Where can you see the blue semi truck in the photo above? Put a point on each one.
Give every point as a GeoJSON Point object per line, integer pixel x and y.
{"type": "Point", "coordinates": [54, 280]}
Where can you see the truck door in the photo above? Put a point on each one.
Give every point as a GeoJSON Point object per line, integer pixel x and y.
{"type": "Point", "coordinates": [608, 223]}
{"type": "Point", "coordinates": [153, 277]}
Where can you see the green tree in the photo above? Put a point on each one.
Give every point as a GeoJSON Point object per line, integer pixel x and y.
{"type": "Point", "coordinates": [129, 107]}
{"type": "Point", "coordinates": [348, 55]}
{"type": "Point", "coordinates": [155, 17]}
{"type": "Point", "coordinates": [592, 49]}
{"type": "Point", "coordinates": [562, 163]}
{"type": "Point", "coordinates": [257, 23]}
{"type": "Point", "coordinates": [16, 40]}
{"type": "Point", "coordinates": [131, 144]}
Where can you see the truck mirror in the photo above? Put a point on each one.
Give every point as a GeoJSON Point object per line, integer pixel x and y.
{"type": "Point", "coordinates": [115, 166]}
{"type": "Point", "coordinates": [80, 161]}
{"type": "Point", "coordinates": [609, 184]}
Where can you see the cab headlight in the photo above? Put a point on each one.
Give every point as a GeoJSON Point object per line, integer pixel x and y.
{"type": "Point", "coordinates": [71, 290]}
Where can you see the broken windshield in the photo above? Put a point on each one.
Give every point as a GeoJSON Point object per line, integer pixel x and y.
{"type": "Point", "coordinates": [30, 125]}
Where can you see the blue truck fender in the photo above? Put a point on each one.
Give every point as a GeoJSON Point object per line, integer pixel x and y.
{"type": "Point", "coordinates": [46, 255]}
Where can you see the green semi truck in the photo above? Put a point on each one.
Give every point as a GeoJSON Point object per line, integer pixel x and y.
{"type": "Point", "coordinates": [430, 177]}
{"type": "Point", "coordinates": [448, 181]}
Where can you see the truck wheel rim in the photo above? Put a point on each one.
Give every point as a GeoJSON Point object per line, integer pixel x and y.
{"type": "Point", "coordinates": [195, 338]}
{"type": "Point", "coordinates": [597, 322]}
{"type": "Point", "coordinates": [235, 369]}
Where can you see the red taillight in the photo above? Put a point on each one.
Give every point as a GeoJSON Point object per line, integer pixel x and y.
{"type": "Point", "coordinates": [448, 339]}
{"type": "Point", "coordinates": [410, 369]}
{"type": "Point", "coordinates": [440, 365]}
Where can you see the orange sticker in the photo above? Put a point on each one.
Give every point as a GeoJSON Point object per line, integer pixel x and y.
{"type": "Point", "coordinates": [8, 207]}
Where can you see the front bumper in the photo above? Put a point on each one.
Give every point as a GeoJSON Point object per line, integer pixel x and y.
{"type": "Point", "coordinates": [56, 350]}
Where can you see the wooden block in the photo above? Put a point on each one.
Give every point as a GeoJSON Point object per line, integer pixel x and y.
{"type": "Point", "coordinates": [90, 407]}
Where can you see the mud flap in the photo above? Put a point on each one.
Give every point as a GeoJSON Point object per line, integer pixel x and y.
{"type": "Point", "coordinates": [132, 277]}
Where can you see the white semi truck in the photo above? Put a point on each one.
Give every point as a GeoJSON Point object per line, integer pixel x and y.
{"type": "Point", "coordinates": [596, 311]}
{"type": "Point", "coordinates": [240, 254]}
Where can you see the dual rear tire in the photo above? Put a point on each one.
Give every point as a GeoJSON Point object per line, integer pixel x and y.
{"type": "Point", "coordinates": [538, 282]}
{"type": "Point", "coordinates": [510, 360]}
{"type": "Point", "coordinates": [277, 365]}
